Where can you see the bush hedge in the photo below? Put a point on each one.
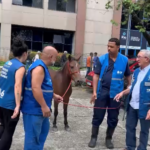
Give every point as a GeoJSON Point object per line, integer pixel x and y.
{"type": "Point", "coordinates": [33, 53]}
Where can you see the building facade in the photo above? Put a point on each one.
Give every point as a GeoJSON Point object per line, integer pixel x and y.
{"type": "Point", "coordinates": [78, 26]}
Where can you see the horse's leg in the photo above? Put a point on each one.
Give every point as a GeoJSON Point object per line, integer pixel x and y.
{"type": "Point", "coordinates": [65, 117]}
{"type": "Point", "coordinates": [55, 115]}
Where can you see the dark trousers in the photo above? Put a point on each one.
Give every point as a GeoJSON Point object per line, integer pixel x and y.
{"type": "Point", "coordinates": [88, 70]}
{"type": "Point", "coordinates": [7, 128]}
{"type": "Point", "coordinates": [132, 120]}
{"type": "Point", "coordinates": [104, 100]}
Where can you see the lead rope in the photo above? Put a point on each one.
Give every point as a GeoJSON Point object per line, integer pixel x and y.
{"type": "Point", "coordinates": [82, 105]}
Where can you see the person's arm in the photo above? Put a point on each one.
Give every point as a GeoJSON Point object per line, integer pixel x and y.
{"type": "Point", "coordinates": [128, 78]}
{"type": "Point", "coordinates": [37, 80]}
{"type": "Point", "coordinates": [57, 98]}
{"type": "Point", "coordinates": [18, 90]}
{"type": "Point", "coordinates": [18, 85]}
{"type": "Point", "coordinates": [128, 75]}
{"type": "Point", "coordinates": [97, 71]}
{"type": "Point", "coordinates": [95, 82]}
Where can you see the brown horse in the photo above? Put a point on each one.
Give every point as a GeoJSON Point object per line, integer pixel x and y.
{"type": "Point", "coordinates": [61, 80]}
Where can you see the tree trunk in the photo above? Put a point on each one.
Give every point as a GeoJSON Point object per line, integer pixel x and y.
{"type": "Point", "coordinates": [138, 22]}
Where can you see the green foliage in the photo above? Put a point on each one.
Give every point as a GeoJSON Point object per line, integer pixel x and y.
{"type": "Point", "coordinates": [2, 63]}
{"type": "Point", "coordinates": [134, 9]}
{"type": "Point", "coordinates": [108, 5]}
{"type": "Point", "coordinates": [114, 22]}
{"type": "Point", "coordinates": [58, 60]}
{"type": "Point", "coordinates": [31, 55]}
{"type": "Point", "coordinates": [140, 28]}
{"type": "Point", "coordinates": [55, 68]}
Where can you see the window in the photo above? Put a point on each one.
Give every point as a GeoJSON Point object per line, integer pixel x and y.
{"type": "Point", "coordinates": [37, 38]}
{"type": "Point", "coordinates": [62, 5]}
{"type": "Point", "coordinates": [131, 53]}
{"type": "Point", "coordinates": [48, 37]}
{"type": "Point", "coordinates": [29, 3]}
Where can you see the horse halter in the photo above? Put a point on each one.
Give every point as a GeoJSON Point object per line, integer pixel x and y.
{"type": "Point", "coordinates": [71, 73]}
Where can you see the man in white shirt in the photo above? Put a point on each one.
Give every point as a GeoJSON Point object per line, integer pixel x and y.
{"type": "Point", "coordinates": [37, 56]}
{"type": "Point", "coordinates": [138, 107]}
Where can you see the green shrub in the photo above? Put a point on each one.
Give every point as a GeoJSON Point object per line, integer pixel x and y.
{"type": "Point", "coordinates": [55, 68]}
{"type": "Point", "coordinates": [58, 59]}
{"type": "Point", "coordinates": [33, 53]}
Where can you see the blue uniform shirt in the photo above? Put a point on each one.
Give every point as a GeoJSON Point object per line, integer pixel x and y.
{"type": "Point", "coordinates": [7, 83]}
{"type": "Point", "coordinates": [108, 74]}
{"type": "Point", "coordinates": [95, 60]}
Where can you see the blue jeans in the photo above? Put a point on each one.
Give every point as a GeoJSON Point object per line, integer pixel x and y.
{"type": "Point", "coordinates": [132, 120]}
{"type": "Point", "coordinates": [36, 131]}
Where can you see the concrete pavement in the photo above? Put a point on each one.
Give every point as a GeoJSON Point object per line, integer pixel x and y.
{"type": "Point", "coordinates": [80, 123]}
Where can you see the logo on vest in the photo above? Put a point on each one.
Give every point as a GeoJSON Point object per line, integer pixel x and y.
{"type": "Point", "coordinates": [49, 81]}
{"type": "Point", "coordinates": [148, 90]}
{"type": "Point", "coordinates": [2, 93]}
{"type": "Point", "coordinates": [119, 72]}
{"type": "Point", "coordinates": [9, 63]}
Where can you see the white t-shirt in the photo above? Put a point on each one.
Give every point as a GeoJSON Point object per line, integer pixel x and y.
{"type": "Point", "coordinates": [36, 57]}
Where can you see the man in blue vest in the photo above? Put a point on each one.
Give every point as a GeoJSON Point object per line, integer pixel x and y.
{"type": "Point", "coordinates": [11, 83]}
{"type": "Point", "coordinates": [37, 100]}
{"type": "Point", "coordinates": [138, 103]}
{"type": "Point", "coordinates": [95, 60]}
{"type": "Point", "coordinates": [108, 81]}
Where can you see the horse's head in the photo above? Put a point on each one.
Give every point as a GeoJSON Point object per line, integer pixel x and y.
{"type": "Point", "coordinates": [74, 68]}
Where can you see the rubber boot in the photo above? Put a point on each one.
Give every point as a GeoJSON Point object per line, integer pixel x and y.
{"type": "Point", "coordinates": [109, 134]}
{"type": "Point", "coordinates": [93, 140]}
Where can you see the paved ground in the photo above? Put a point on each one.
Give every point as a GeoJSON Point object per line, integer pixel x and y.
{"type": "Point", "coordinates": [80, 124]}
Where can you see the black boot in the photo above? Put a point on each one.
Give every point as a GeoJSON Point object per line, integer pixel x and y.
{"type": "Point", "coordinates": [109, 134]}
{"type": "Point", "coordinates": [93, 140]}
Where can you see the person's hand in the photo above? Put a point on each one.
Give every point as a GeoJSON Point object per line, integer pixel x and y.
{"type": "Point", "coordinates": [16, 112]}
{"type": "Point", "coordinates": [93, 98]}
{"type": "Point", "coordinates": [58, 98]}
{"type": "Point", "coordinates": [148, 115]}
{"type": "Point", "coordinates": [46, 111]}
{"type": "Point", "coordinates": [118, 96]}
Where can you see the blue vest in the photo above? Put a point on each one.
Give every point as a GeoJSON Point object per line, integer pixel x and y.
{"type": "Point", "coordinates": [144, 93]}
{"type": "Point", "coordinates": [29, 104]}
{"type": "Point", "coordinates": [117, 81]}
{"type": "Point", "coordinates": [7, 82]}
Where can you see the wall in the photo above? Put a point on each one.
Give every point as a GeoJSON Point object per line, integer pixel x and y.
{"type": "Point", "coordinates": [98, 28]}
{"type": "Point", "coordinates": [28, 16]}
{"type": "Point", "coordinates": [117, 17]}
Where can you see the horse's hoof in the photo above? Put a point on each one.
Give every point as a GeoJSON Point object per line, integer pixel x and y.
{"type": "Point", "coordinates": [67, 128]}
{"type": "Point", "coordinates": [55, 128]}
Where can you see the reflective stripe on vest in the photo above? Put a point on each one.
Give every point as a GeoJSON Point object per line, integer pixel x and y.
{"type": "Point", "coordinates": [46, 91]}
{"type": "Point", "coordinates": [114, 79]}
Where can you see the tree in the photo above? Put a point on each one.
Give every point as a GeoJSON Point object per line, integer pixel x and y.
{"type": "Point", "coordinates": [133, 9]}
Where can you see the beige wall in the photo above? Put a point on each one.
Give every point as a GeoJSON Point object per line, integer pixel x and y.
{"type": "Point", "coordinates": [27, 16]}
{"type": "Point", "coordinates": [98, 28]}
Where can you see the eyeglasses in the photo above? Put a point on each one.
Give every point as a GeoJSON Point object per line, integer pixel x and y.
{"type": "Point", "coordinates": [139, 57]}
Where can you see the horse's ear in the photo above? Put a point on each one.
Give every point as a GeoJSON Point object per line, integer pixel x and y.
{"type": "Point", "coordinates": [79, 58]}
{"type": "Point", "coordinates": [69, 58]}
